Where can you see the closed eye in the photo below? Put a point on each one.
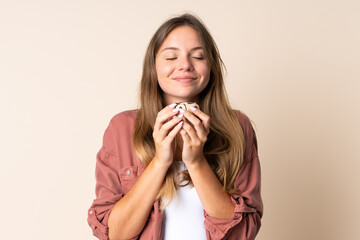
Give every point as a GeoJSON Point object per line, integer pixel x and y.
{"type": "Point", "coordinates": [173, 58]}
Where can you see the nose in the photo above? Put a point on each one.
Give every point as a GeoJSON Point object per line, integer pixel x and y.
{"type": "Point", "coordinates": [185, 64]}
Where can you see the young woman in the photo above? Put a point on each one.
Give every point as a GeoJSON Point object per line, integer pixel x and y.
{"type": "Point", "coordinates": [166, 173]}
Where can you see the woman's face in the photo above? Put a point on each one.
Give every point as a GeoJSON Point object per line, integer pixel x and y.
{"type": "Point", "coordinates": [181, 67]}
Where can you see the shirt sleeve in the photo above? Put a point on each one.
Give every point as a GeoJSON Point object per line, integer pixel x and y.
{"type": "Point", "coordinates": [109, 189]}
{"type": "Point", "coordinates": [108, 192]}
{"type": "Point", "coordinates": [246, 219]}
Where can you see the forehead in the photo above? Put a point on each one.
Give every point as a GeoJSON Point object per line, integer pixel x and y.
{"type": "Point", "coordinates": [182, 37]}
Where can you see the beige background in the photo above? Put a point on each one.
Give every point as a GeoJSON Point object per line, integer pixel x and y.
{"type": "Point", "coordinates": [66, 67]}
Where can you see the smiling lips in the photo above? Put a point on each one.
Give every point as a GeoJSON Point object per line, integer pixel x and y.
{"type": "Point", "coordinates": [184, 79]}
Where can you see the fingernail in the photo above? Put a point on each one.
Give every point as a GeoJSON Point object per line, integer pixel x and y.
{"type": "Point", "coordinates": [172, 105]}
{"type": "Point", "coordinates": [182, 110]}
{"type": "Point", "coordinates": [193, 108]}
{"type": "Point", "coordinates": [175, 110]}
{"type": "Point", "coordinates": [180, 123]}
{"type": "Point", "coordinates": [179, 116]}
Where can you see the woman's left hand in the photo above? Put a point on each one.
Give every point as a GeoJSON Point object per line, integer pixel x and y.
{"type": "Point", "coordinates": [194, 134]}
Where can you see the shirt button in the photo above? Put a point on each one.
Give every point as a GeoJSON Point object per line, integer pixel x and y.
{"type": "Point", "coordinates": [128, 172]}
{"type": "Point", "coordinates": [91, 212]}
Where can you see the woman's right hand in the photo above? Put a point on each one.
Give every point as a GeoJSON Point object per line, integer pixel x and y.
{"type": "Point", "coordinates": [167, 125]}
{"type": "Point", "coordinates": [130, 214]}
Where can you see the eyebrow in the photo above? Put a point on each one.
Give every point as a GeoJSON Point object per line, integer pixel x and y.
{"type": "Point", "coordinates": [177, 49]}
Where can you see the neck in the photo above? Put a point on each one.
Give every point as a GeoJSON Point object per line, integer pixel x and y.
{"type": "Point", "coordinates": [169, 100]}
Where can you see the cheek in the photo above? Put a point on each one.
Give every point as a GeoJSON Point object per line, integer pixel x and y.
{"type": "Point", "coordinates": [204, 71]}
{"type": "Point", "coordinates": [163, 70]}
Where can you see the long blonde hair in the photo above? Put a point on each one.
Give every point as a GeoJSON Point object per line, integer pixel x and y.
{"type": "Point", "coordinates": [224, 148]}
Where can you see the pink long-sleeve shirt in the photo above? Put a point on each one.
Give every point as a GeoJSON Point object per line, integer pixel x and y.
{"type": "Point", "coordinates": [118, 168]}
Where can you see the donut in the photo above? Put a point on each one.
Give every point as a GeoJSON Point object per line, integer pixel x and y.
{"type": "Point", "coordinates": [186, 105]}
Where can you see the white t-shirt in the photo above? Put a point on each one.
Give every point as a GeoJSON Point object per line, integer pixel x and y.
{"type": "Point", "coordinates": [184, 216]}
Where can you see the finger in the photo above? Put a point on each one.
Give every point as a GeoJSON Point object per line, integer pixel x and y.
{"type": "Point", "coordinates": [166, 127]}
{"type": "Point", "coordinates": [191, 132]}
{"type": "Point", "coordinates": [198, 125]}
{"type": "Point", "coordinates": [205, 119]}
{"type": "Point", "coordinates": [185, 136]}
{"type": "Point", "coordinates": [171, 136]}
{"type": "Point", "coordinates": [164, 115]}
